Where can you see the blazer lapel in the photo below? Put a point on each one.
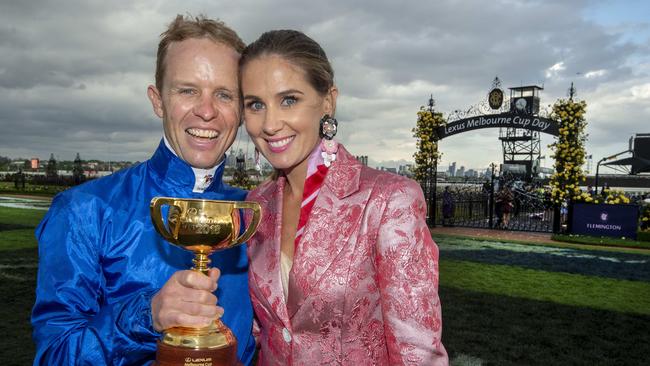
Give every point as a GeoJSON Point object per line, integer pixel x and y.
{"type": "Point", "coordinates": [265, 259]}
{"type": "Point", "coordinates": [332, 221]}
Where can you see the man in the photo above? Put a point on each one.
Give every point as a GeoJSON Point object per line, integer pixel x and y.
{"type": "Point", "coordinates": [108, 284]}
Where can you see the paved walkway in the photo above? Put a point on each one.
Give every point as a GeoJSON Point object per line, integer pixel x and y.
{"type": "Point", "coordinates": [26, 196]}
{"type": "Point", "coordinates": [495, 234]}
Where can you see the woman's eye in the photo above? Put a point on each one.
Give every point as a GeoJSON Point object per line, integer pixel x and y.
{"type": "Point", "coordinates": [255, 105]}
{"type": "Point", "coordinates": [289, 101]}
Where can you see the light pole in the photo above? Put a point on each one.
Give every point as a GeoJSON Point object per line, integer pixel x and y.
{"type": "Point", "coordinates": [596, 180]}
{"type": "Point", "coordinates": [432, 176]}
{"type": "Point", "coordinates": [491, 197]}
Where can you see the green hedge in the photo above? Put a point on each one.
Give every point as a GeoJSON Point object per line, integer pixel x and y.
{"type": "Point", "coordinates": [643, 235]}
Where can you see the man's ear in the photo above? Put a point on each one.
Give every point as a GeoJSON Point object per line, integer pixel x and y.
{"type": "Point", "coordinates": [156, 100]}
{"type": "Point", "coordinates": [330, 101]}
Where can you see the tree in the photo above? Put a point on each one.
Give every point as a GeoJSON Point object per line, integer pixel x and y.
{"type": "Point", "coordinates": [77, 171]}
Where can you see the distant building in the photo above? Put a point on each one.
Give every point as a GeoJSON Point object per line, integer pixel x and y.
{"type": "Point", "coordinates": [35, 163]}
{"type": "Point", "coordinates": [471, 173]}
{"type": "Point", "coordinates": [405, 170]}
{"type": "Point", "coordinates": [250, 162]}
{"type": "Point", "coordinates": [363, 159]}
{"type": "Point", "coordinates": [452, 169]}
{"type": "Point", "coordinates": [461, 171]}
{"type": "Point", "coordinates": [390, 170]}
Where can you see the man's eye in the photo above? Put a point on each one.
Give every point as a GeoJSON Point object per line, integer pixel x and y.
{"type": "Point", "coordinates": [187, 91]}
{"type": "Point", "coordinates": [289, 101]}
{"type": "Point", "coordinates": [224, 96]}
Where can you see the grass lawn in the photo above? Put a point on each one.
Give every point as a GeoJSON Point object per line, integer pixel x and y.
{"type": "Point", "coordinates": [511, 331]}
{"type": "Point", "coordinates": [561, 288]}
{"type": "Point", "coordinates": [17, 227]}
{"type": "Point", "coordinates": [496, 314]}
{"type": "Point", "coordinates": [17, 285]}
{"type": "Point", "coordinates": [18, 265]}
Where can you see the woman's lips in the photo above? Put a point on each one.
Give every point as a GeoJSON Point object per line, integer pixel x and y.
{"type": "Point", "coordinates": [279, 145]}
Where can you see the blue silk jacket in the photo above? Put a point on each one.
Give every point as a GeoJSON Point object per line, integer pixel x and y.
{"type": "Point", "coordinates": [101, 261]}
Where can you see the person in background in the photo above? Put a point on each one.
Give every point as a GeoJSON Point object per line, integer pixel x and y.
{"type": "Point", "coordinates": [447, 207]}
{"type": "Point", "coordinates": [108, 283]}
{"type": "Point", "coordinates": [504, 200]}
{"type": "Point", "coordinates": [343, 268]}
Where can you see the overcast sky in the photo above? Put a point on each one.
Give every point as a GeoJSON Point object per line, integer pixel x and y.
{"type": "Point", "coordinates": [73, 74]}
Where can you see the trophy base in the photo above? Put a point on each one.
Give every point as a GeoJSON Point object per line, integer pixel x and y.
{"type": "Point", "coordinates": [167, 355]}
{"type": "Point", "coordinates": [214, 345]}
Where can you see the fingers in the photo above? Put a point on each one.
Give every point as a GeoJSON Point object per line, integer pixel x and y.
{"type": "Point", "coordinates": [197, 280]}
{"type": "Point", "coordinates": [178, 318]}
{"type": "Point", "coordinates": [214, 275]}
{"type": "Point", "coordinates": [186, 299]}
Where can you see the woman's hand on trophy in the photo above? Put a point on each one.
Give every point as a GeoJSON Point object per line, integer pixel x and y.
{"type": "Point", "coordinates": [186, 300]}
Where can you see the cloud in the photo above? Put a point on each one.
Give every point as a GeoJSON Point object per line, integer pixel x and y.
{"type": "Point", "coordinates": [73, 74]}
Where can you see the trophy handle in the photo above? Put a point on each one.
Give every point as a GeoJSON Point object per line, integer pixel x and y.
{"type": "Point", "coordinates": [156, 216]}
{"type": "Point", "coordinates": [257, 212]}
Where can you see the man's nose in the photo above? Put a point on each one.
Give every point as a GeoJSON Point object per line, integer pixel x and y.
{"type": "Point", "coordinates": [206, 108]}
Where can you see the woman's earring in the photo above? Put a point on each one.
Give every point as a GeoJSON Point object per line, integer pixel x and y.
{"type": "Point", "coordinates": [327, 131]}
{"type": "Point", "coordinates": [328, 127]}
{"type": "Point", "coordinates": [258, 166]}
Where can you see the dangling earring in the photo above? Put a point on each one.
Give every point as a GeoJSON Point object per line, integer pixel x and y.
{"type": "Point", "coordinates": [328, 127]}
{"type": "Point", "coordinates": [258, 166]}
{"type": "Point", "coordinates": [329, 147]}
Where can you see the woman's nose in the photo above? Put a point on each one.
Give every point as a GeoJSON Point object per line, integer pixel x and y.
{"type": "Point", "coordinates": [272, 123]}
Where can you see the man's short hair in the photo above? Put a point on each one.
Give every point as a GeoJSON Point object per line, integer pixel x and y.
{"type": "Point", "coordinates": [183, 28]}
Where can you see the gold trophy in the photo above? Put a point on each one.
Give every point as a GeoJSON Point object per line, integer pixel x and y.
{"type": "Point", "coordinates": [203, 227]}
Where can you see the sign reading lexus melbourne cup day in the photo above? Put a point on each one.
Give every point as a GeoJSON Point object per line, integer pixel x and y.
{"type": "Point", "coordinates": [605, 220]}
{"type": "Point", "coordinates": [513, 120]}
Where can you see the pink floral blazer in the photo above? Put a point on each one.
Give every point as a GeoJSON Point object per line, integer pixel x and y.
{"type": "Point", "coordinates": [363, 286]}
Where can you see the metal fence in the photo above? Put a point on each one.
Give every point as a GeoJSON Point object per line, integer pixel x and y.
{"type": "Point", "coordinates": [481, 205]}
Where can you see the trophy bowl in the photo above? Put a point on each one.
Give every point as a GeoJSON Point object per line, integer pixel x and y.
{"type": "Point", "coordinates": [201, 227]}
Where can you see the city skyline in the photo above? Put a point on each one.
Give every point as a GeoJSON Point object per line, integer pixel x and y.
{"type": "Point", "coordinates": [74, 74]}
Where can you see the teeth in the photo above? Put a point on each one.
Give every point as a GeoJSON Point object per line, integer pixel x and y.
{"type": "Point", "coordinates": [280, 143]}
{"type": "Point", "coordinates": [197, 132]}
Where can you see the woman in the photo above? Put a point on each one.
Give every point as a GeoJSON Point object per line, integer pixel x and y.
{"type": "Point", "coordinates": [447, 207]}
{"type": "Point", "coordinates": [343, 268]}
{"type": "Point", "coordinates": [505, 198]}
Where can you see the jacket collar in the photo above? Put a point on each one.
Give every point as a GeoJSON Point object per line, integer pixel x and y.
{"type": "Point", "coordinates": [173, 171]}
{"type": "Point", "coordinates": [343, 177]}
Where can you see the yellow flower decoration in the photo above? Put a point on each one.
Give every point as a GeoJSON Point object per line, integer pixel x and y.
{"type": "Point", "coordinates": [426, 135]}
{"type": "Point", "coordinates": [568, 151]}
